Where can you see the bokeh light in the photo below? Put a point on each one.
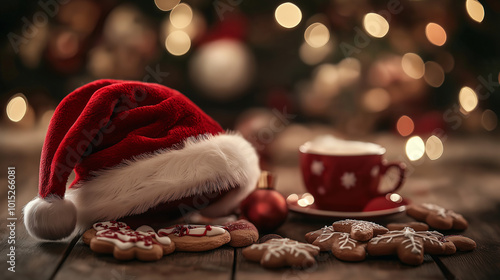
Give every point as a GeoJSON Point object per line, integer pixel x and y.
{"type": "Point", "coordinates": [308, 198]}
{"type": "Point", "coordinates": [468, 99]}
{"type": "Point", "coordinates": [434, 74]}
{"type": "Point", "coordinates": [292, 198]}
{"type": "Point", "coordinates": [394, 197]}
{"type": "Point", "coordinates": [305, 200]}
{"type": "Point", "coordinates": [311, 56]}
{"type": "Point", "coordinates": [375, 25]}
{"type": "Point", "coordinates": [435, 34]}
{"type": "Point", "coordinates": [302, 202]}
{"type": "Point", "coordinates": [222, 69]}
{"type": "Point", "coordinates": [405, 125]}
{"type": "Point", "coordinates": [196, 27]}
{"type": "Point", "coordinates": [326, 80]}
{"type": "Point", "coordinates": [415, 148]}
{"type": "Point", "coordinates": [166, 5]}
{"type": "Point", "coordinates": [413, 65]}
{"type": "Point", "coordinates": [475, 10]}
{"type": "Point", "coordinates": [434, 147]}
{"type": "Point", "coordinates": [489, 120]}
{"type": "Point", "coordinates": [178, 43]}
{"type": "Point", "coordinates": [349, 71]}
{"type": "Point", "coordinates": [288, 15]}
{"type": "Point", "coordinates": [376, 100]}
{"type": "Point", "coordinates": [181, 16]}
{"type": "Point", "coordinates": [17, 107]}
{"type": "Point", "coordinates": [317, 35]}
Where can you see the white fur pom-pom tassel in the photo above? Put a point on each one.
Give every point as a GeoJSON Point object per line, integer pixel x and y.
{"type": "Point", "coordinates": [50, 218]}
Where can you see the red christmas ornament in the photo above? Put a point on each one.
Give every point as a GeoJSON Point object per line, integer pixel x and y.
{"type": "Point", "coordinates": [265, 207]}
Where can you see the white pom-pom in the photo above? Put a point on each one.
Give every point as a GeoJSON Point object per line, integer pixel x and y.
{"type": "Point", "coordinates": [50, 218]}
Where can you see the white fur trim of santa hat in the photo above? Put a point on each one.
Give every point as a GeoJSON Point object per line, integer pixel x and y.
{"type": "Point", "coordinates": [204, 165]}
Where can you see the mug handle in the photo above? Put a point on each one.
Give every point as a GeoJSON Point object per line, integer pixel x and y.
{"type": "Point", "coordinates": [402, 174]}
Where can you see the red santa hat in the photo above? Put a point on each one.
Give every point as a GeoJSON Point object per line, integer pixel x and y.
{"type": "Point", "coordinates": [133, 146]}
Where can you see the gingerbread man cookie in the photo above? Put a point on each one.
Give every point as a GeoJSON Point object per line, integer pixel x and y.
{"type": "Point", "coordinates": [196, 238]}
{"type": "Point", "coordinates": [359, 230]}
{"type": "Point", "coordinates": [437, 217]}
{"type": "Point", "coordinates": [243, 233]}
{"type": "Point", "coordinates": [168, 247]}
{"type": "Point", "coordinates": [341, 244]}
{"type": "Point", "coordinates": [408, 244]}
{"type": "Point", "coordinates": [125, 244]}
{"type": "Point", "coordinates": [282, 252]}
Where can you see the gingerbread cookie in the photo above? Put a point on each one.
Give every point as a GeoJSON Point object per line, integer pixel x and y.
{"type": "Point", "coordinates": [359, 230]}
{"type": "Point", "coordinates": [408, 244]}
{"type": "Point", "coordinates": [282, 252]}
{"type": "Point", "coordinates": [437, 217]}
{"type": "Point", "coordinates": [341, 244]}
{"type": "Point", "coordinates": [462, 243]}
{"type": "Point", "coordinates": [417, 226]}
{"type": "Point", "coordinates": [125, 244]}
{"type": "Point", "coordinates": [196, 238]}
{"type": "Point", "coordinates": [243, 233]}
{"type": "Point", "coordinates": [267, 237]}
{"type": "Point", "coordinates": [168, 247]}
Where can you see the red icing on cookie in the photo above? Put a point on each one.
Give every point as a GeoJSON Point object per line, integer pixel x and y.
{"type": "Point", "coordinates": [130, 236]}
{"type": "Point", "coordinates": [183, 230]}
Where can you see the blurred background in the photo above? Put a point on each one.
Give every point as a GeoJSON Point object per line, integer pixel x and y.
{"type": "Point", "coordinates": [418, 72]}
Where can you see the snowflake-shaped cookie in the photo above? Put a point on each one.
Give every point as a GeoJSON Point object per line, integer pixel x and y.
{"type": "Point", "coordinates": [437, 216]}
{"type": "Point", "coordinates": [359, 230]}
{"type": "Point", "coordinates": [408, 244]}
{"type": "Point", "coordinates": [282, 252]}
{"type": "Point", "coordinates": [341, 244]}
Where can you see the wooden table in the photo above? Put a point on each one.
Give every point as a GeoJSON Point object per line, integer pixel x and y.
{"type": "Point", "coordinates": [465, 179]}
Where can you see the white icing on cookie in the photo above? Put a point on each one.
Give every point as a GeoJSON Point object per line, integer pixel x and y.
{"type": "Point", "coordinates": [278, 247]}
{"type": "Point", "coordinates": [326, 234]}
{"type": "Point", "coordinates": [409, 236]}
{"type": "Point", "coordinates": [110, 225]}
{"type": "Point", "coordinates": [440, 210]}
{"type": "Point", "coordinates": [192, 230]}
{"type": "Point", "coordinates": [344, 241]}
{"type": "Point", "coordinates": [125, 238]}
{"type": "Point", "coordinates": [358, 225]}
{"type": "Point", "coordinates": [147, 230]}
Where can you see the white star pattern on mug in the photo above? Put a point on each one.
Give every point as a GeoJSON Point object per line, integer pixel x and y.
{"type": "Point", "coordinates": [348, 180]}
{"type": "Point", "coordinates": [317, 167]}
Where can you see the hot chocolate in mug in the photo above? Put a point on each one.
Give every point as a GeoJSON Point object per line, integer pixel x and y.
{"type": "Point", "coordinates": [345, 175]}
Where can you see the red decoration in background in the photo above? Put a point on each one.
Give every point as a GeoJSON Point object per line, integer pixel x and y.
{"type": "Point", "coordinates": [265, 207]}
{"type": "Point", "coordinates": [234, 26]}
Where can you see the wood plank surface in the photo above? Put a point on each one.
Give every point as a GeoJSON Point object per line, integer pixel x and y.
{"type": "Point", "coordinates": [484, 261]}
{"type": "Point", "coordinates": [466, 179]}
{"type": "Point", "coordinates": [82, 263]}
{"type": "Point", "coordinates": [34, 259]}
{"type": "Point", "coordinates": [328, 267]}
